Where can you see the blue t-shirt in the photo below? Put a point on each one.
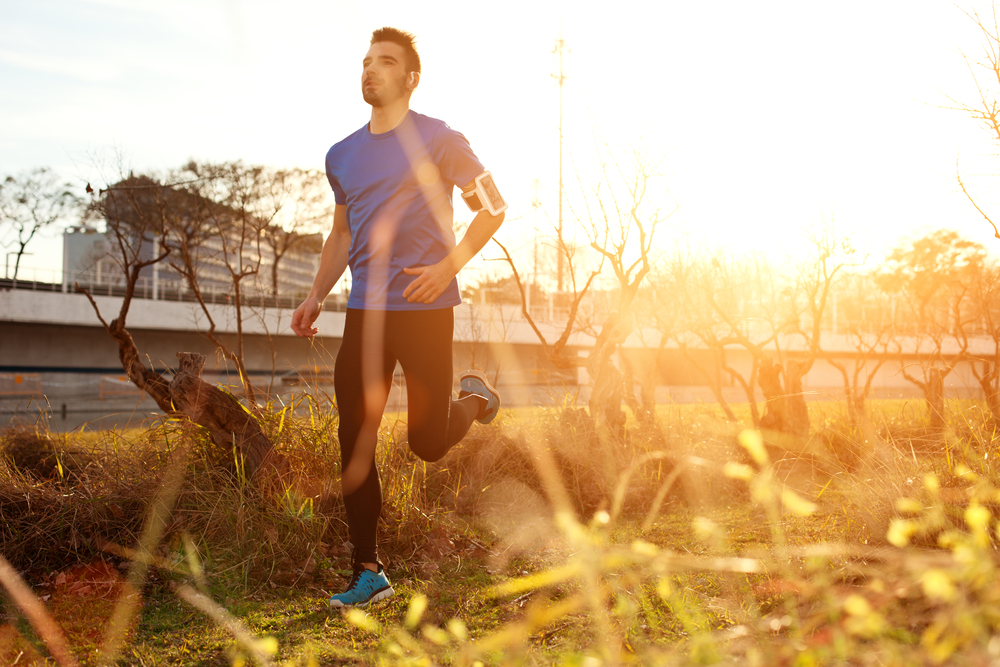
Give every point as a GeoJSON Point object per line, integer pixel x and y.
{"type": "Point", "coordinates": [398, 190]}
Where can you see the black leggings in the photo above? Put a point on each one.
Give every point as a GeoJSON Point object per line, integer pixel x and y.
{"type": "Point", "coordinates": [373, 342]}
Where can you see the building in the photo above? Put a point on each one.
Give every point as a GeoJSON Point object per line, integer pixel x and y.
{"type": "Point", "coordinates": [89, 260]}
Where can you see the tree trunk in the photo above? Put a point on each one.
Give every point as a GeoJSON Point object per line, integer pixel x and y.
{"type": "Point", "coordinates": [795, 401]}
{"type": "Point", "coordinates": [628, 384]}
{"type": "Point", "coordinates": [229, 425]}
{"type": "Point", "coordinates": [606, 397]}
{"type": "Point", "coordinates": [643, 405]}
{"type": "Point", "coordinates": [228, 422]}
{"type": "Point", "coordinates": [775, 414]}
{"type": "Point", "coordinates": [934, 394]}
{"type": "Point", "coordinates": [148, 380]}
{"type": "Point", "coordinates": [987, 383]}
{"type": "Point", "coordinates": [855, 407]}
{"type": "Point", "coordinates": [647, 389]}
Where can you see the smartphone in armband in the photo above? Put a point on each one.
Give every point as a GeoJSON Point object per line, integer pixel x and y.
{"type": "Point", "coordinates": [485, 196]}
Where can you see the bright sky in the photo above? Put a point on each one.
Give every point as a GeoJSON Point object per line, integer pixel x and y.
{"type": "Point", "coordinates": [771, 115]}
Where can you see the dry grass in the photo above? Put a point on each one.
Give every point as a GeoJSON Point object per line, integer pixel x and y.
{"type": "Point", "coordinates": [690, 543]}
{"type": "Point", "coordinates": [58, 504]}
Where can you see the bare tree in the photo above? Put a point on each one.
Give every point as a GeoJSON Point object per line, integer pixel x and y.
{"type": "Point", "coordinates": [305, 207]}
{"type": "Point", "coordinates": [985, 302]}
{"type": "Point", "coordinates": [809, 304]}
{"type": "Point", "coordinates": [986, 110]}
{"type": "Point", "coordinates": [30, 203]}
{"type": "Point", "coordinates": [934, 275]}
{"type": "Point", "coordinates": [658, 309]}
{"type": "Point", "coordinates": [239, 204]}
{"type": "Point", "coordinates": [985, 72]}
{"type": "Point", "coordinates": [136, 210]}
{"type": "Point", "coordinates": [141, 214]}
{"type": "Point", "coordinates": [688, 275]}
{"type": "Point", "coordinates": [488, 327]}
{"type": "Point", "coordinates": [623, 214]}
{"type": "Point", "coordinates": [734, 302]}
{"type": "Point", "coordinates": [730, 302]}
{"type": "Point", "coordinates": [868, 325]}
{"type": "Point", "coordinates": [213, 224]}
{"type": "Point", "coordinates": [624, 219]}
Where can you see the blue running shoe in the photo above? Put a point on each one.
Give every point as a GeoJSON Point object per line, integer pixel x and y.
{"type": "Point", "coordinates": [364, 588]}
{"type": "Point", "coordinates": [476, 382]}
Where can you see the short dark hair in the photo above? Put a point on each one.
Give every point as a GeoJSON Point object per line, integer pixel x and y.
{"type": "Point", "coordinates": [405, 40]}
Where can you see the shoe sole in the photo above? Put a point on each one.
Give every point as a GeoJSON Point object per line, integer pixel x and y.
{"type": "Point", "coordinates": [378, 596]}
{"type": "Point", "coordinates": [479, 375]}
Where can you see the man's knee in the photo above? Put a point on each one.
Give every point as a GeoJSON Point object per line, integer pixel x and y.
{"type": "Point", "coordinates": [430, 450]}
{"type": "Point", "coordinates": [432, 458]}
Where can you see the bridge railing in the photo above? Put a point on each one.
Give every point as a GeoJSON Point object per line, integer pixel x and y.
{"type": "Point", "coordinates": [166, 289]}
{"type": "Point", "coordinates": [158, 289]}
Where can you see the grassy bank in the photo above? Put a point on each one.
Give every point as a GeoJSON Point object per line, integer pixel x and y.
{"type": "Point", "coordinates": [536, 541]}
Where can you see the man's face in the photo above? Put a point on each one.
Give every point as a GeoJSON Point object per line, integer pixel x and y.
{"type": "Point", "coordinates": [383, 77]}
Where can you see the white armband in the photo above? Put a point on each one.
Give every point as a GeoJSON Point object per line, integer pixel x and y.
{"type": "Point", "coordinates": [485, 196]}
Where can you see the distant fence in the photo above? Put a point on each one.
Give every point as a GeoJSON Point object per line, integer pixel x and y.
{"type": "Point", "coordinates": [308, 378]}
{"type": "Point", "coordinates": [20, 385]}
{"type": "Point", "coordinates": [320, 376]}
{"type": "Point", "coordinates": [116, 386]}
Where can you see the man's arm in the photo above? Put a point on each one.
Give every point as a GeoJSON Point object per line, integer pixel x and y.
{"type": "Point", "coordinates": [431, 281]}
{"type": "Point", "coordinates": [332, 264]}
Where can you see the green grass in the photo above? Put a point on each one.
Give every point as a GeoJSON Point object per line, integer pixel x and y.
{"type": "Point", "coordinates": [514, 549]}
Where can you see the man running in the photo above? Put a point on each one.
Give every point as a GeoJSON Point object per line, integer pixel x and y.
{"type": "Point", "coordinates": [393, 182]}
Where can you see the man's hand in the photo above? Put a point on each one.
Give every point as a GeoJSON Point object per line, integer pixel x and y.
{"type": "Point", "coordinates": [304, 316]}
{"type": "Point", "coordinates": [430, 283]}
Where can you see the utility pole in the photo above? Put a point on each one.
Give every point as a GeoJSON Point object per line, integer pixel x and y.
{"type": "Point", "coordinates": [535, 203]}
{"type": "Point", "coordinates": [561, 79]}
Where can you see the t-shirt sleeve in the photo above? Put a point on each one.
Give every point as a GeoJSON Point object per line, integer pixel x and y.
{"type": "Point", "coordinates": [456, 162]}
{"type": "Point", "coordinates": [338, 192]}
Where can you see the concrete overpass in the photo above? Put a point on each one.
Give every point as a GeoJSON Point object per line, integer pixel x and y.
{"type": "Point", "coordinates": [55, 336]}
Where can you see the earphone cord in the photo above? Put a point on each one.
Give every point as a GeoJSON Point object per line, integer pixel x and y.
{"type": "Point", "coordinates": [400, 120]}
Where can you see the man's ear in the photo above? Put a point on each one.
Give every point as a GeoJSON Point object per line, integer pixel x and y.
{"type": "Point", "coordinates": [414, 79]}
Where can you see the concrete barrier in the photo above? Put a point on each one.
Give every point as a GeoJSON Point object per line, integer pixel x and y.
{"type": "Point", "coordinates": [20, 384]}
{"type": "Point", "coordinates": [112, 386]}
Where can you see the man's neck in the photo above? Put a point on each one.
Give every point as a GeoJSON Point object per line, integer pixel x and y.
{"type": "Point", "coordinates": [385, 119]}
